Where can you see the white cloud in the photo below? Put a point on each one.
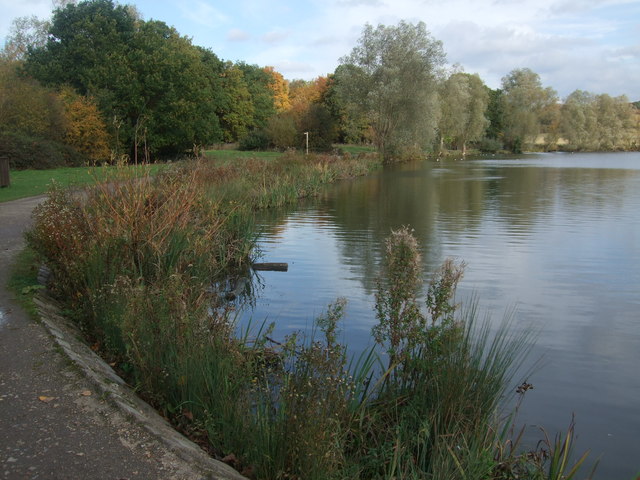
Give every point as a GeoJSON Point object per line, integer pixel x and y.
{"type": "Point", "coordinates": [237, 35]}
{"type": "Point", "coordinates": [276, 36]}
{"type": "Point", "coordinates": [203, 13]}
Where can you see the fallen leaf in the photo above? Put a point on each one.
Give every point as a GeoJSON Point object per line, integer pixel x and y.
{"type": "Point", "coordinates": [45, 399]}
{"type": "Point", "coordinates": [86, 393]}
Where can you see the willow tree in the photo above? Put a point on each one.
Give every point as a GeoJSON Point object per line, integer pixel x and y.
{"type": "Point", "coordinates": [464, 101]}
{"type": "Point", "coordinates": [525, 101]}
{"type": "Point", "coordinates": [391, 77]}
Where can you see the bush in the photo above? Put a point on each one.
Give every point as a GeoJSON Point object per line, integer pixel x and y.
{"type": "Point", "coordinates": [25, 152]}
{"type": "Point", "coordinates": [490, 145]}
{"type": "Point", "coordinates": [254, 140]}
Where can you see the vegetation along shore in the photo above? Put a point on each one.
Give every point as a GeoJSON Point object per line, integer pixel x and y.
{"type": "Point", "coordinates": [137, 254]}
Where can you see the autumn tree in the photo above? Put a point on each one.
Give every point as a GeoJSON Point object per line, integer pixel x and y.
{"type": "Point", "coordinates": [85, 129]}
{"type": "Point", "coordinates": [280, 89]}
{"type": "Point", "coordinates": [390, 76]}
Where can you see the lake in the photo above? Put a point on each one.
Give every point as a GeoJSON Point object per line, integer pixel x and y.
{"type": "Point", "coordinates": [555, 236]}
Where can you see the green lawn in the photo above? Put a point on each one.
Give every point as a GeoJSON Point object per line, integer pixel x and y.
{"type": "Point", "coordinates": [29, 183]}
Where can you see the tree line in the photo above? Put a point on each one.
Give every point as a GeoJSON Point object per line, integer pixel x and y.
{"type": "Point", "coordinates": [98, 82]}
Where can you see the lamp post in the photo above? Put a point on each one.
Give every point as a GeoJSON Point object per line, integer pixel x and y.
{"type": "Point", "coordinates": [306, 135]}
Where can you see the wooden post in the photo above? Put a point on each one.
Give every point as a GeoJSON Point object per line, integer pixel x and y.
{"type": "Point", "coordinates": [271, 267]}
{"type": "Point", "coordinates": [5, 181]}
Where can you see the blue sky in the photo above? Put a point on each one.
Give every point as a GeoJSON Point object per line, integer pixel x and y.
{"type": "Point", "coordinates": [591, 45]}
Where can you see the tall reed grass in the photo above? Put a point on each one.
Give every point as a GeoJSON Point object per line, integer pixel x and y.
{"type": "Point", "coordinates": [136, 258]}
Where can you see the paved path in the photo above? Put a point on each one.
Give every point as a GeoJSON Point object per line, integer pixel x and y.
{"type": "Point", "coordinates": [54, 423]}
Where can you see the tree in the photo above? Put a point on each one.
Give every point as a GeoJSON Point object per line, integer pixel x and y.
{"type": "Point", "coordinates": [85, 130]}
{"type": "Point", "coordinates": [280, 89]}
{"type": "Point", "coordinates": [25, 32]}
{"type": "Point", "coordinates": [258, 83]}
{"type": "Point", "coordinates": [524, 100]}
{"type": "Point", "coordinates": [236, 110]}
{"type": "Point", "coordinates": [390, 77]}
{"type": "Point", "coordinates": [597, 122]}
{"type": "Point", "coordinates": [27, 107]}
{"type": "Point", "coordinates": [150, 80]}
{"type": "Point", "coordinates": [463, 101]}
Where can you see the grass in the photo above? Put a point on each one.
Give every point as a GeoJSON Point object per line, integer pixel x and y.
{"type": "Point", "coordinates": [30, 183]}
{"type": "Point", "coordinates": [23, 280]}
{"type": "Point", "coordinates": [224, 156]}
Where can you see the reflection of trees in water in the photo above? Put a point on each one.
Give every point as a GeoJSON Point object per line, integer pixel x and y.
{"type": "Point", "coordinates": [446, 202]}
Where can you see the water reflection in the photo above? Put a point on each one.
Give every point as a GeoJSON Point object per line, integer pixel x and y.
{"type": "Point", "coordinates": [556, 235]}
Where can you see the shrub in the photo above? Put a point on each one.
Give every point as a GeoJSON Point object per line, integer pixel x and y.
{"type": "Point", "coordinates": [490, 145]}
{"type": "Point", "coordinates": [25, 152]}
{"type": "Point", "coordinates": [256, 139]}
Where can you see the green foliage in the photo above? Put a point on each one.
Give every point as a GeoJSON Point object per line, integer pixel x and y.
{"type": "Point", "coordinates": [390, 77]}
{"type": "Point", "coordinates": [281, 131]}
{"type": "Point", "coordinates": [144, 75]}
{"type": "Point", "coordinates": [25, 151]}
{"type": "Point", "coordinates": [257, 139]}
{"type": "Point", "coordinates": [598, 122]}
{"type": "Point", "coordinates": [318, 124]}
{"type": "Point", "coordinates": [27, 107]}
{"type": "Point", "coordinates": [464, 101]}
{"type": "Point", "coordinates": [524, 104]}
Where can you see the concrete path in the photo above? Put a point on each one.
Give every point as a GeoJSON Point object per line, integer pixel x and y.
{"type": "Point", "coordinates": [58, 423]}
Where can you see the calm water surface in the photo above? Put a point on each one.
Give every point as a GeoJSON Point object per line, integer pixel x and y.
{"type": "Point", "coordinates": [557, 236]}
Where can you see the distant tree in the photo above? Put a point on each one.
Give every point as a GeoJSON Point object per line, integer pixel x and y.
{"type": "Point", "coordinates": [318, 124]}
{"type": "Point", "coordinates": [597, 122]}
{"type": "Point", "coordinates": [258, 83]}
{"type": "Point", "coordinates": [280, 89]}
{"type": "Point", "coordinates": [281, 131]}
{"type": "Point", "coordinates": [463, 102]}
{"type": "Point", "coordinates": [27, 107]}
{"type": "Point", "coordinates": [24, 33]}
{"type": "Point", "coordinates": [495, 114]}
{"type": "Point", "coordinates": [390, 77]}
{"type": "Point", "coordinates": [235, 109]}
{"type": "Point", "coordinates": [524, 100]}
{"type": "Point", "coordinates": [85, 129]}
{"type": "Point", "coordinates": [148, 79]}
{"type": "Point", "coordinates": [351, 123]}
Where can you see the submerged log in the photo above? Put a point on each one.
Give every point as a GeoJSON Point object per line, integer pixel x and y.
{"type": "Point", "coordinates": [271, 267]}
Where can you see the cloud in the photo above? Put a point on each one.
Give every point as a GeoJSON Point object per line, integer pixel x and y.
{"type": "Point", "coordinates": [275, 36]}
{"type": "Point", "coordinates": [202, 13]}
{"type": "Point", "coordinates": [237, 35]}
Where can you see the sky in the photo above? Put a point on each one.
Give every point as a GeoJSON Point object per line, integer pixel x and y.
{"type": "Point", "coordinates": [591, 45]}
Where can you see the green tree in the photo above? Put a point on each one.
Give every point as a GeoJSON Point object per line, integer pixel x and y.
{"type": "Point", "coordinates": [259, 81]}
{"type": "Point", "coordinates": [597, 122]}
{"type": "Point", "coordinates": [151, 82]}
{"type": "Point", "coordinates": [27, 107]}
{"type": "Point", "coordinates": [391, 77]}
{"type": "Point", "coordinates": [235, 108]}
{"type": "Point", "coordinates": [524, 101]}
{"type": "Point", "coordinates": [464, 102]}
